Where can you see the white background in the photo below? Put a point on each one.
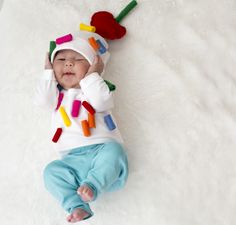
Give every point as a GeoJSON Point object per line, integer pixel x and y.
{"type": "Point", "coordinates": [175, 105]}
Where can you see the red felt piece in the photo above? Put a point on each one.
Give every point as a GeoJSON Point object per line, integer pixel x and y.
{"type": "Point", "coordinates": [88, 107]}
{"type": "Point", "coordinates": [57, 135]}
{"type": "Point", "coordinates": [106, 25]}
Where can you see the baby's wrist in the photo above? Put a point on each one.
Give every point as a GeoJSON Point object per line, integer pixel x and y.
{"type": "Point", "coordinates": [90, 72]}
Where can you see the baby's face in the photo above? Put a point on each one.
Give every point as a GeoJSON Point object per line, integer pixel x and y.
{"type": "Point", "coordinates": [69, 68]}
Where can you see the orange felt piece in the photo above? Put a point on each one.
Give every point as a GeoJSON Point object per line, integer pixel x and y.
{"type": "Point", "coordinates": [85, 128]}
{"type": "Point", "coordinates": [93, 43]}
{"type": "Point", "coordinates": [91, 120]}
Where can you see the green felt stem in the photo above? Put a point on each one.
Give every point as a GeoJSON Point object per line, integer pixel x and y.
{"type": "Point", "coordinates": [126, 10]}
{"type": "Point", "coordinates": [111, 86]}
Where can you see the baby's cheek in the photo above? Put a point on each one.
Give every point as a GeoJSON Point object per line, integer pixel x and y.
{"type": "Point", "coordinates": [57, 75]}
{"type": "Point", "coordinates": [84, 69]}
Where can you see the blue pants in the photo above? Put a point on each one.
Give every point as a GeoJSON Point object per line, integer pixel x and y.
{"type": "Point", "coordinates": [103, 167]}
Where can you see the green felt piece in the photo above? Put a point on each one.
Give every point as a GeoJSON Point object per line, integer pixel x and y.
{"type": "Point", "coordinates": [111, 86]}
{"type": "Point", "coordinates": [51, 47]}
{"type": "Point", "coordinates": [126, 10]}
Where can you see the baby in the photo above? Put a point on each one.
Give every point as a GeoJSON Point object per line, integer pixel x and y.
{"type": "Point", "coordinates": [84, 131]}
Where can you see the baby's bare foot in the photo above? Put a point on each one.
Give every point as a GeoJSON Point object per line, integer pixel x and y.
{"type": "Point", "coordinates": [77, 215]}
{"type": "Point", "coordinates": [85, 193]}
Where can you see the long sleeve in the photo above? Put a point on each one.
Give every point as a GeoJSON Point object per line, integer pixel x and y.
{"type": "Point", "coordinates": [46, 91]}
{"type": "Point", "coordinates": [97, 92]}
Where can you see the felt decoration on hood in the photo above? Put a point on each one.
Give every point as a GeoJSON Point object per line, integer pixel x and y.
{"type": "Point", "coordinates": [92, 39]}
{"type": "Point", "coordinates": [108, 26]}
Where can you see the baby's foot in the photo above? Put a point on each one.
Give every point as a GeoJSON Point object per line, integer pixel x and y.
{"type": "Point", "coordinates": [77, 215]}
{"type": "Point", "coordinates": [86, 193]}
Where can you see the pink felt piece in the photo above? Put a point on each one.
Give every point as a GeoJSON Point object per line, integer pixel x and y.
{"type": "Point", "coordinates": [64, 39]}
{"type": "Point", "coordinates": [75, 108]}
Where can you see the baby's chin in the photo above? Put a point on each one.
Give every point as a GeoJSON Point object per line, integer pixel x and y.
{"type": "Point", "coordinates": [68, 85]}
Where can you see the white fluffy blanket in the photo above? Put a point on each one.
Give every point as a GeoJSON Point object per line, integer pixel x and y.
{"type": "Point", "coordinates": [175, 105]}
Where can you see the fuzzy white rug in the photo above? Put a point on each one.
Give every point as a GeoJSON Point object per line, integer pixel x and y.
{"type": "Point", "coordinates": [175, 105]}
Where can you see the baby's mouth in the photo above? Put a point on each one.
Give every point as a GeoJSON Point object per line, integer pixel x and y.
{"type": "Point", "coordinates": [68, 74]}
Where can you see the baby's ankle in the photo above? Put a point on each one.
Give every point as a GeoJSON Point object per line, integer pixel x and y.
{"type": "Point", "coordinates": [86, 193]}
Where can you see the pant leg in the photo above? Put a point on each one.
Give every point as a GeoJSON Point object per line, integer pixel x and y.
{"type": "Point", "coordinates": [109, 169]}
{"type": "Point", "coordinates": [62, 182]}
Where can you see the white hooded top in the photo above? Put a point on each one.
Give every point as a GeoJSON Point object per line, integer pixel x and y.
{"type": "Point", "coordinates": [93, 90]}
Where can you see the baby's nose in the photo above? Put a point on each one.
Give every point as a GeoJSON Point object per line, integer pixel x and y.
{"type": "Point", "coordinates": [69, 63]}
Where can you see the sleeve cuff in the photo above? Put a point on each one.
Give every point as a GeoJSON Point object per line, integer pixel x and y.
{"type": "Point", "coordinates": [88, 80]}
{"type": "Point", "coordinates": [48, 75]}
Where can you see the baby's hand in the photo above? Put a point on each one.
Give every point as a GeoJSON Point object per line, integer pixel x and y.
{"type": "Point", "coordinates": [48, 64]}
{"type": "Point", "coordinates": [97, 66]}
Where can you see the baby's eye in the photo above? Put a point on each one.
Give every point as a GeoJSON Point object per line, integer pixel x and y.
{"type": "Point", "coordinates": [61, 59]}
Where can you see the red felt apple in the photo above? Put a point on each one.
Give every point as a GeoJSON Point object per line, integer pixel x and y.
{"type": "Point", "coordinates": [107, 26]}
